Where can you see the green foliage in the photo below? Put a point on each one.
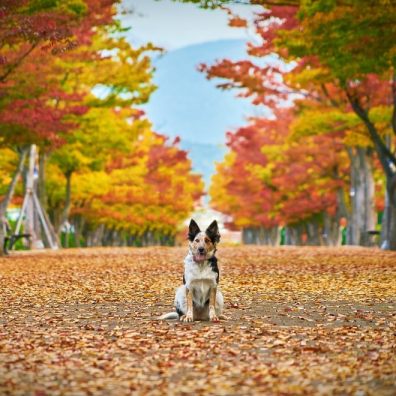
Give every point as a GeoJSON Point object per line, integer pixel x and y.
{"type": "Point", "coordinates": [77, 7]}
{"type": "Point", "coordinates": [353, 38]}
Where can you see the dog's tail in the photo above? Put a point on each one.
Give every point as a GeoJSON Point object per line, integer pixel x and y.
{"type": "Point", "coordinates": [169, 316]}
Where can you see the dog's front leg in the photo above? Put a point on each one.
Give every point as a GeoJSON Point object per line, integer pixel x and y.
{"type": "Point", "coordinates": [188, 317]}
{"type": "Point", "coordinates": [212, 303]}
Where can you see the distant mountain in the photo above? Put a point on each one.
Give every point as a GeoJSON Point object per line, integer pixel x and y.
{"type": "Point", "coordinates": [203, 157]}
{"type": "Point", "coordinates": [186, 104]}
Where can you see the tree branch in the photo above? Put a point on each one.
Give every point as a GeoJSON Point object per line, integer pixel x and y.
{"type": "Point", "coordinates": [11, 188]}
{"type": "Point", "coordinates": [333, 102]}
{"type": "Point", "coordinates": [17, 63]}
{"type": "Point", "coordinates": [386, 157]}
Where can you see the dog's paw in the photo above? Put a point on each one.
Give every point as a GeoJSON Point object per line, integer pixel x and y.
{"type": "Point", "coordinates": [187, 318]}
{"type": "Point", "coordinates": [214, 318]}
{"type": "Point", "coordinates": [212, 315]}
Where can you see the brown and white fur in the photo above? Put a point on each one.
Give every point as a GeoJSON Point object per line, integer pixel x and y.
{"type": "Point", "coordinates": [199, 298]}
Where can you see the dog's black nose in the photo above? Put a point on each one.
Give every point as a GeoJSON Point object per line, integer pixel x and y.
{"type": "Point", "coordinates": [201, 250]}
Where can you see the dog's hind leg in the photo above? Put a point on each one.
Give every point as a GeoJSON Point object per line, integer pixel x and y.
{"type": "Point", "coordinates": [219, 304]}
{"type": "Point", "coordinates": [181, 301]}
{"type": "Point", "coordinates": [180, 304]}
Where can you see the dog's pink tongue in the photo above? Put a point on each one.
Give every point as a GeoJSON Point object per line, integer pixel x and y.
{"type": "Point", "coordinates": [200, 257]}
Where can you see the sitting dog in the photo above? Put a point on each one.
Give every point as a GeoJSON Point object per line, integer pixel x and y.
{"type": "Point", "coordinates": [199, 298]}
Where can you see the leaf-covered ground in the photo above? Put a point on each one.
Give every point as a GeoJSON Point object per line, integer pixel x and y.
{"type": "Point", "coordinates": [301, 321]}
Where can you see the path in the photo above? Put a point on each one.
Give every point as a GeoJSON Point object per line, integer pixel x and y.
{"type": "Point", "coordinates": [301, 321]}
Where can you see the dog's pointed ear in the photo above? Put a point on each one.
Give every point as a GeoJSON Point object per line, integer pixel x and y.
{"type": "Point", "coordinates": [193, 230]}
{"type": "Point", "coordinates": [213, 232]}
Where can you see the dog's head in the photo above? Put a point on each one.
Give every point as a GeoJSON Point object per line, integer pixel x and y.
{"type": "Point", "coordinates": [203, 243]}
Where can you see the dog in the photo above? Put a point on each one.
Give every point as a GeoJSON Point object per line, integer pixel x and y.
{"type": "Point", "coordinates": [199, 298]}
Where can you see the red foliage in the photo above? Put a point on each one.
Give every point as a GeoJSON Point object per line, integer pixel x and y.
{"type": "Point", "coordinates": [36, 106]}
{"type": "Point", "coordinates": [303, 179]}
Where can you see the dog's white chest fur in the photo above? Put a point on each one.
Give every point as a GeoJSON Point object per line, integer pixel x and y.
{"type": "Point", "coordinates": [199, 278]}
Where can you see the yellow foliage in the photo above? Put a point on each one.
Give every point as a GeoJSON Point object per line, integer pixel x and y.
{"type": "Point", "coordinates": [8, 160]}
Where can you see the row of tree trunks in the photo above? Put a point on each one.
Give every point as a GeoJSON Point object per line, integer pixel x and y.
{"type": "Point", "coordinates": [361, 218]}
{"type": "Point", "coordinates": [261, 236]}
{"type": "Point", "coordinates": [319, 231]}
{"type": "Point", "coordinates": [84, 234]}
{"type": "Point", "coordinates": [326, 230]}
{"type": "Point", "coordinates": [294, 235]}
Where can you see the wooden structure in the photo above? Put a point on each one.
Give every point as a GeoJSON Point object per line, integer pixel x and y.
{"type": "Point", "coordinates": [36, 220]}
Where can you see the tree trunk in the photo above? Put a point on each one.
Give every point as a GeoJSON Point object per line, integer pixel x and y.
{"type": "Point", "coordinates": [95, 236]}
{"type": "Point", "coordinates": [8, 197]}
{"type": "Point", "coordinates": [67, 236]}
{"type": "Point", "coordinates": [42, 192]}
{"type": "Point", "coordinates": [362, 218]}
{"type": "Point", "coordinates": [332, 232]}
{"type": "Point", "coordinates": [294, 235]}
{"type": "Point", "coordinates": [275, 236]}
{"type": "Point", "coordinates": [313, 233]}
{"type": "Point", "coordinates": [388, 237]}
{"type": "Point", "coordinates": [342, 210]}
{"type": "Point", "coordinates": [247, 236]}
{"type": "Point", "coordinates": [66, 210]}
{"type": "Point", "coordinates": [385, 155]}
{"type": "Point", "coordinates": [392, 227]}
{"type": "Point", "coordinates": [78, 224]}
{"type": "Point", "coordinates": [388, 230]}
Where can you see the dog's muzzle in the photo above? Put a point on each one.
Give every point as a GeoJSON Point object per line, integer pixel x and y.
{"type": "Point", "coordinates": [200, 255]}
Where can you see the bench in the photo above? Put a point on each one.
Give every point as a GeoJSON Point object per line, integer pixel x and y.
{"type": "Point", "coordinates": [9, 241]}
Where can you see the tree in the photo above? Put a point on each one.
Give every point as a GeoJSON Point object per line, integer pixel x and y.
{"type": "Point", "coordinates": [125, 81]}
{"type": "Point", "coordinates": [328, 41]}
{"type": "Point", "coordinates": [268, 180]}
{"type": "Point", "coordinates": [356, 42]}
{"type": "Point", "coordinates": [139, 197]}
{"type": "Point", "coordinates": [57, 48]}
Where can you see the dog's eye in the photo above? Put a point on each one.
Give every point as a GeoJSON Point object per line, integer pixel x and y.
{"type": "Point", "coordinates": [197, 240]}
{"type": "Point", "coordinates": [207, 240]}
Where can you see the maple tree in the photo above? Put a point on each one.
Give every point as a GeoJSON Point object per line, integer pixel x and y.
{"type": "Point", "coordinates": [137, 191]}
{"type": "Point", "coordinates": [354, 59]}
{"type": "Point", "coordinates": [275, 181]}
{"type": "Point", "coordinates": [34, 107]}
{"type": "Point", "coordinates": [124, 81]}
